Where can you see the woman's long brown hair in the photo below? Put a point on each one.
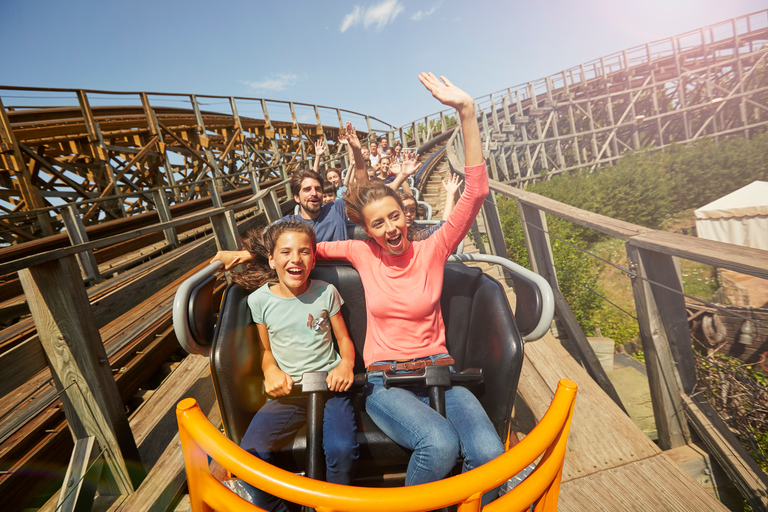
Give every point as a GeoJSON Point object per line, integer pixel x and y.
{"type": "Point", "coordinates": [261, 243]}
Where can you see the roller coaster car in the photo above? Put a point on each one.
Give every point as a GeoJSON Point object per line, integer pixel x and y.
{"type": "Point", "coordinates": [481, 332]}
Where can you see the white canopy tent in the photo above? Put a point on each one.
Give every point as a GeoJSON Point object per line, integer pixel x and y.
{"type": "Point", "coordinates": [740, 217]}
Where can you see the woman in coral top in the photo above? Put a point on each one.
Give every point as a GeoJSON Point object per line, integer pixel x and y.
{"type": "Point", "coordinates": [403, 281]}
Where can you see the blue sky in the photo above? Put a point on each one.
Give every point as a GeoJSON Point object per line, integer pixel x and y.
{"type": "Point", "coordinates": [362, 56]}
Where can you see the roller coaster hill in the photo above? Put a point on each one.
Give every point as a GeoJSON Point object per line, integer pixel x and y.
{"type": "Point", "coordinates": [112, 200]}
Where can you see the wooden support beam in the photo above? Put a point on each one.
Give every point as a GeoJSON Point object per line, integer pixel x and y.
{"type": "Point", "coordinates": [543, 263]}
{"type": "Point", "coordinates": [670, 372]}
{"type": "Point", "coordinates": [84, 471]}
{"type": "Point", "coordinates": [741, 469]}
{"type": "Point", "coordinates": [154, 128]}
{"type": "Point", "coordinates": [29, 192]}
{"type": "Point", "coordinates": [216, 186]}
{"type": "Point", "coordinates": [225, 230]}
{"type": "Point", "coordinates": [113, 185]}
{"type": "Point", "coordinates": [79, 365]}
{"type": "Point", "coordinates": [164, 212]}
{"type": "Point", "coordinates": [48, 166]}
{"type": "Point", "coordinates": [493, 227]}
{"type": "Point", "coordinates": [99, 150]}
{"type": "Point", "coordinates": [77, 235]}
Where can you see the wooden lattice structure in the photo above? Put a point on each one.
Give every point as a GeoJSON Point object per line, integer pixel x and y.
{"type": "Point", "coordinates": [111, 161]}
{"type": "Point", "coordinates": [711, 82]}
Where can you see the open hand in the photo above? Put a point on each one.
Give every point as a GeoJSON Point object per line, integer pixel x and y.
{"type": "Point", "coordinates": [445, 92]}
{"type": "Point", "coordinates": [452, 185]}
{"type": "Point", "coordinates": [231, 258]}
{"type": "Point", "coordinates": [409, 165]}
{"type": "Point", "coordinates": [320, 147]}
{"type": "Point", "coordinates": [351, 135]}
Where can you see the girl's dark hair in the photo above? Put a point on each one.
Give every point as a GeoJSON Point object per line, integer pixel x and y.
{"type": "Point", "coordinates": [365, 193]}
{"type": "Point", "coordinates": [261, 243]}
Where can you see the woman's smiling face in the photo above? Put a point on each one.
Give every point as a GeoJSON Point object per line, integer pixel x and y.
{"type": "Point", "coordinates": [385, 223]}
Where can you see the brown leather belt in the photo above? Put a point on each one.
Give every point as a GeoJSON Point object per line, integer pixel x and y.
{"type": "Point", "coordinates": [413, 365]}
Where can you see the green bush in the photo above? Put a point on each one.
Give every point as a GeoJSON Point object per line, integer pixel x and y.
{"type": "Point", "coordinates": [645, 188]}
{"type": "Point", "coordinates": [616, 324]}
{"type": "Point", "coordinates": [577, 275]}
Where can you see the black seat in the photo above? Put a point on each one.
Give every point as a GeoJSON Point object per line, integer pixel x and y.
{"type": "Point", "coordinates": [480, 332]}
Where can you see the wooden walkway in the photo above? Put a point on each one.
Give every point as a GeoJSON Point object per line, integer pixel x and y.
{"type": "Point", "coordinates": [610, 464]}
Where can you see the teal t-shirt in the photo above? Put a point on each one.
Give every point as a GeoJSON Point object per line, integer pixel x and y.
{"type": "Point", "coordinates": [299, 327]}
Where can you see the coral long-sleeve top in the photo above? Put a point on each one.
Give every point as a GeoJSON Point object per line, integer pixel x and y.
{"type": "Point", "coordinates": [402, 292]}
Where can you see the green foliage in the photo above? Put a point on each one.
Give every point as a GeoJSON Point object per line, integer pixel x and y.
{"type": "Point", "coordinates": [646, 187]}
{"type": "Point", "coordinates": [735, 367]}
{"type": "Point", "coordinates": [739, 393]}
{"type": "Point", "coordinates": [699, 280]}
{"type": "Point", "coordinates": [616, 324]}
{"type": "Point", "coordinates": [434, 124]}
{"type": "Point", "coordinates": [577, 275]}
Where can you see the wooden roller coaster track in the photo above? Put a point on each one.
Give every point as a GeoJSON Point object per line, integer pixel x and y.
{"type": "Point", "coordinates": [148, 189]}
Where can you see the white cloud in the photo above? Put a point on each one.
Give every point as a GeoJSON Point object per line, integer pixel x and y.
{"type": "Point", "coordinates": [277, 82]}
{"type": "Point", "coordinates": [351, 19]}
{"type": "Point", "coordinates": [420, 15]}
{"type": "Point", "coordinates": [382, 14]}
{"type": "Point", "coordinates": [379, 15]}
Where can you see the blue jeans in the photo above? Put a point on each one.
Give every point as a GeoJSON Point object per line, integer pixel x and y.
{"type": "Point", "coordinates": [404, 414]}
{"type": "Point", "coordinates": [275, 425]}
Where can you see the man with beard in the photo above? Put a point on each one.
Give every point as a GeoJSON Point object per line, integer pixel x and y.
{"type": "Point", "coordinates": [330, 220]}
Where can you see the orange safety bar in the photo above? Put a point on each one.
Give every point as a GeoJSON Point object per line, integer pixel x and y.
{"type": "Point", "coordinates": [199, 438]}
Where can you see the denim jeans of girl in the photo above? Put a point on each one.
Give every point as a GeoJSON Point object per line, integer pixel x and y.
{"type": "Point", "coordinates": [275, 425]}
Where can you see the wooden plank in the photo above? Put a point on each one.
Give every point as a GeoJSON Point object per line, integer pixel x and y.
{"type": "Point", "coordinates": [670, 302]}
{"type": "Point", "coordinates": [113, 304]}
{"type": "Point", "coordinates": [28, 358]}
{"type": "Point", "coordinates": [35, 259]}
{"type": "Point", "coordinates": [542, 262]}
{"type": "Point", "coordinates": [154, 427]}
{"type": "Point", "coordinates": [82, 474]}
{"type": "Point", "coordinates": [20, 364]}
{"type": "Point", "coordinates": [655, 483]}
{"type": "Point", "coordinates": [602, 435]}
{"type": "Point", "coordinates": [601, 223]}
{"type": "Point", "coordinates": [746, 260]}
{"type": "Point", "coordinates": [493, 226]}
{"type": "Point", "coordinates": [67, 331]}
{"type": "Point", "coordinates": [742, 470]}
{"type": "Point", "coordinates": [663, 376]}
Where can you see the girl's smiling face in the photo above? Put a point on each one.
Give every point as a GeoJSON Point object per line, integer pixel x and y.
{"type": "Point", "coordinates": [293, 259]}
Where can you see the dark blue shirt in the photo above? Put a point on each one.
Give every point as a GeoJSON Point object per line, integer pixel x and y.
{"type": "Point", "coordinates": [330, 225]}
